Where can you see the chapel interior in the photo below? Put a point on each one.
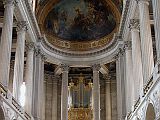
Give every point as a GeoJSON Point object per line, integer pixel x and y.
{"type": "Point", "coordinates": [79, 59]}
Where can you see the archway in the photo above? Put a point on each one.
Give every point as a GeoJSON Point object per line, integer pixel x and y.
{"type": "Point", "coordinates": [1, 114]}
{"type": "Point", "coordinates": [150, 114]}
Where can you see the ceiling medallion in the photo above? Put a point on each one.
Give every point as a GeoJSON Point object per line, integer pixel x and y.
{"type": "Point", "coordinates": [80, 25]}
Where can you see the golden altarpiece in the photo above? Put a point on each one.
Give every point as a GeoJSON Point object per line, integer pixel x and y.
{"type": "Point", "coordinates": [80, 100]}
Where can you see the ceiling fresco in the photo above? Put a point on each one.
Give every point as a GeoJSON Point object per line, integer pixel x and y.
{"type": "Point", "coordinates": [80, 20]}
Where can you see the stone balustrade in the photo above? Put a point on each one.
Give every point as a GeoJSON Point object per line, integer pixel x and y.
{"type": "Point", "coordinates": [7, 97]}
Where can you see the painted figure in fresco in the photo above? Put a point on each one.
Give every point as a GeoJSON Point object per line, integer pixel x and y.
{"type": "Point", "coordinates": [80, 20]}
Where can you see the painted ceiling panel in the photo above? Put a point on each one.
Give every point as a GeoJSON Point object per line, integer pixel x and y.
{"type": "Point", "coordinates": [80, 20]}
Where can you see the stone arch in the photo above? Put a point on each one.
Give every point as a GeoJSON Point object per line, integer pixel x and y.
{"type": "Point", "coordinates": [150, 113]}
{"type": "Point", "coordinates": [2, 114]}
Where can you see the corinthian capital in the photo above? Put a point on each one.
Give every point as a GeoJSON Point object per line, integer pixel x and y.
{"type": "Point", "coordinates": [96, 67]}
{"type": "Point", "coordinates": [10, 2]}
{"type": "Point", "coordinates": [30, 46]}
{"type": "Point", "coordinates": [127, 45]}
{"type": "Point", "coordinates": [21, 26]}
{"type": "Point", "coordinates": [143, 1]}
{"type": "Point", "coordinates": [64, 67]}
{"type": "Point", "coordinates": [134, 24]}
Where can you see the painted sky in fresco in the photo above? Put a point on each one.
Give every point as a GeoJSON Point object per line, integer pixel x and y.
{"type": "Point", "coordinates": [80, 20]}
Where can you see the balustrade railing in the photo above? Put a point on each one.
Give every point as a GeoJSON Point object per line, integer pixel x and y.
{"type": "Point", "coordinates": [13, 103]}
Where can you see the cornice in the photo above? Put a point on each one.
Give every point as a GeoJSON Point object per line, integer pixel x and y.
{"type": "Point", "coordinates": [51, 48]}
{"type": "Point", "coordinates": [33, 19]}
{"type": "Point", "coordinates": [124, 17]}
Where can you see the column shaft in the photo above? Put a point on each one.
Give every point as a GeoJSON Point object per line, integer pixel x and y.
{"type": "Point", "coordinates": [64, 94]}
{"type": "Point", "coordinates": [6, 42]}
{"type": "Point", "coordinates": [96, 93]}
{"type": "Point", "coordinates": [108, 99]}
{"type": "Point", "coordinates": [19, 60]}
{"type": "Point", "coordinates": [156, 13]}
{"type": "Point", "coordinates": [146, 40]}
{"type": "Point", "coordinates": [29, 77]}
{"type": "Point", "coordinates": [120, 76]}
{"type": "Point", "coordinates": [136, 58]}
{"type": "Point", "coordinates": [130, 98]}
{"type": "Point", "coordinates": [54, 99]}
{"type": "Point", "coordinates": [38, 108]}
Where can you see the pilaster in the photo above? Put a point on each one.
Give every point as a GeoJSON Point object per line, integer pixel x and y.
{"type": "Point", "coordinates": [96, 92]}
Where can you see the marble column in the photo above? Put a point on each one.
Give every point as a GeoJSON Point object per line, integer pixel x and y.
{"type": "Point", "coordinates": [121, 86]}
{"type": "Point", "coordinates": [130, 98]}
{"type": "Point", "coordinates": [28, 78]}
{"type": "Point", "coordinates": [38, 99]}
{"type": "Point", "coordinates": [42, 95]}
{"type": "Point", "coordinates": [6, 41]}
{"type": "Point", "coordinates": [54, 99]}
{"type": "Point", "coordinates": [156, 14]}
{"type": "Point", "coordinates": [64, 93]}
{"type": "Point", "coordinates": [146, 40]}
{"type": "Point", "coordinates": [96, 92]}
{"type": "Point", "coordinates": [19, 59]}
{"type": "Point", "coordinates": [108, 98]}
{"type": "Point", "coordinates": [136, 58]}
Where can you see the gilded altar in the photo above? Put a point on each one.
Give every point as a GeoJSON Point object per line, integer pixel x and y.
{"type": "Point", "coordinates": [80, 114]}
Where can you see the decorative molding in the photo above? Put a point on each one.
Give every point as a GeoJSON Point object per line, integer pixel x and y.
{"type": "Point", "coordinates": [112, 45]}
{"type": "Point", "coordinates": [124, 17]}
